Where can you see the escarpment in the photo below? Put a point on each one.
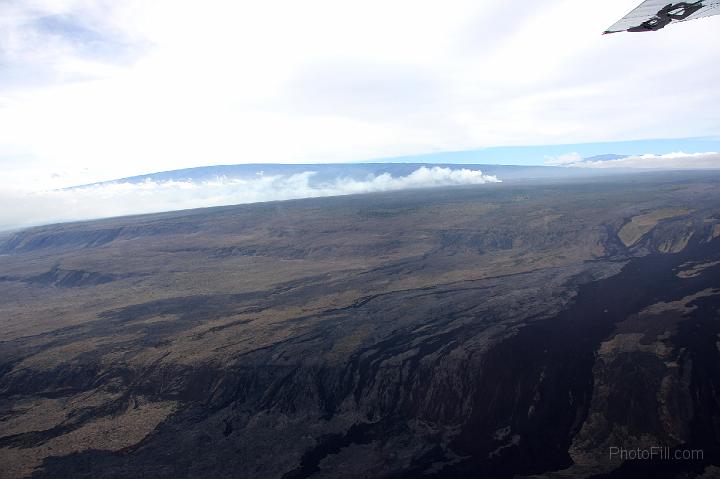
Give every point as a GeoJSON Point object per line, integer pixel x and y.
{"type": "Point", "coordinates": [453, 333]}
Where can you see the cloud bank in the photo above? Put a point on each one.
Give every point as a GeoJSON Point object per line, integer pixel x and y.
{"type": "Point", "coordinates": [115, 199]}
{"type": "Point", "coordinates": [671, 161]}
{"type": "Point", "coordinates": [564, 160]}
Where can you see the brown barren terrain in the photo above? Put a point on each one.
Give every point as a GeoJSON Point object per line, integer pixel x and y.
{"type": "Point", "coordinates": [486, 331]}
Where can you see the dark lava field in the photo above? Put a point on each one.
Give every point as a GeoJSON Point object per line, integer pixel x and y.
{"type": "Point", "coordinates": [492, 331]}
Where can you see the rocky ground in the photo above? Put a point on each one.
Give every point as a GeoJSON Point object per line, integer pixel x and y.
{"type": "Point", "coordinates": [486, 331]}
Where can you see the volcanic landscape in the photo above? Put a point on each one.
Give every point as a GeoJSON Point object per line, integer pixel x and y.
{"type": "Point", "coordinates": [497, 330]}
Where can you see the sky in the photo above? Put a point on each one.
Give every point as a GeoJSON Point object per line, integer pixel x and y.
{"type": "Point", "coordinates": [93, 90]}
{"type": "Point", "coordinates": [635, 150]}
{"type": "Point", "coordinates": [97, 90]}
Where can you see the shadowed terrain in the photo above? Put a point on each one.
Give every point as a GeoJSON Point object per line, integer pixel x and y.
{"type": "Point", "coordinates": [496, 330]}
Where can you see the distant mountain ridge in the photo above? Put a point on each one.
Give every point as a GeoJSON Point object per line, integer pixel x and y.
{"type": "Point", "coordinates": [607, 157]}
{"type": "Point", "coordinates": [324, 172]}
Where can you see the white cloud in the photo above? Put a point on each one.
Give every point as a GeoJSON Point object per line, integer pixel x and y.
{"type": "Point", "coordinates": [18, 209]}
{"type": "Point", "coordinates": [566, 159]}
{"type": "Point", "coordinates": [106, 89]}
{"type": "Point", "coordinates": [670, 161]}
